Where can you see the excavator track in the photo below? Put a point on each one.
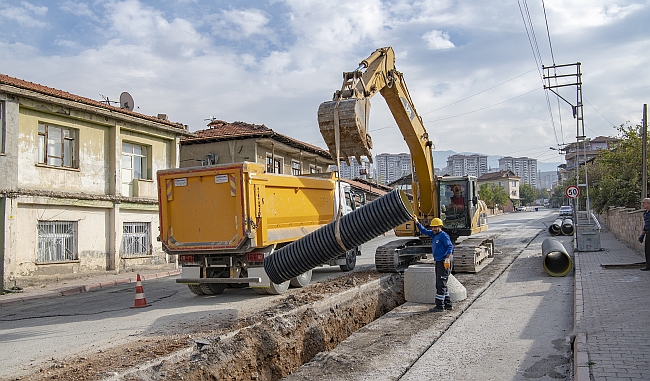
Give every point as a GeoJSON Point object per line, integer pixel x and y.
{"type": "Point", "coordinates": [397, 256]}
{"type": "Point", "coordinates": [473, 254]}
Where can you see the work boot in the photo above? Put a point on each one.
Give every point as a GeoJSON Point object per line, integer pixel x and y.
{"type": "Point", "coordinates": [449, 307]}
{"type": "Point", "coordinates": [436, 309]}
{"type": "Point", "coordinates": [645, 269]}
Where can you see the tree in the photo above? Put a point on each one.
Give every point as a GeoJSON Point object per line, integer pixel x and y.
{"type": "Point", "coordinates": [493, 195]}
{"type": "Point", "coordinates": [527, 194]}
{"type": "Point", "coordinates": [615, 175]}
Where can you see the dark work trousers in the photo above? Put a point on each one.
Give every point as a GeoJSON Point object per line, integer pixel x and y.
{"type": "Point", "coordinates": [647, 251]}
{"type": "Point", "coordinates": [442, 293]}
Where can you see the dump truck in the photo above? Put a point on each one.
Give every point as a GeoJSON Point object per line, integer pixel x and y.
{"type": "Point", "coordinates": [222, 220]}
{"type": "Point", "coordinates": [343, 123]}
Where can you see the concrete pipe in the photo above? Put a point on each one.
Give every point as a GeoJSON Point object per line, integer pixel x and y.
{"type": "Point", "coordinates": [556, 227]}
{"type": "Point", "coordinates": [321, 246]}
{"type": "Point", "coordinates": [567, 226]}
{"type": "Point", "coordinates": [556, 260]}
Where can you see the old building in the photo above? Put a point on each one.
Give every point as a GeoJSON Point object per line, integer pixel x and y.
{"type": "Point", "coordinates": [224, 142]}
{"type": "Point", "coordinates": [507, 180]}
{"type": "Point", "coordinates": [78, 192]}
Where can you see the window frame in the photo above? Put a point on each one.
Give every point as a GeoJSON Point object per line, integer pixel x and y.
{"type": "Point", "coordinates": [295, 168]}
{"type": "Point", "coordinates": [69, 144]}
{"type": "Point", "coordinates": [141, 239]}
{"type": "Point", "coordinates": [276, 161]}
{"type": "Point", "coordinates": [146, 160]}
{"type": "Point", "coordinates": [65, 231]}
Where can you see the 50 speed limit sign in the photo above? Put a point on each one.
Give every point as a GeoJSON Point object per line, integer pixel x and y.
{"type": "Point", "coordinates": [572, 191]}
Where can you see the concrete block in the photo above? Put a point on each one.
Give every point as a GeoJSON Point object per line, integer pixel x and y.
{"type": "Point", "coordinates": [420, 285]}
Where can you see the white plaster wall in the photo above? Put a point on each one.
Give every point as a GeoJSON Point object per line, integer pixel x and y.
{"type": "Point", "coordinates": [92, 245]}
{"type": "Point", "coordinates": [158, 257]}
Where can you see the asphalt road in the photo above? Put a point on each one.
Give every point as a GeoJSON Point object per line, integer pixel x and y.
{"type": "Point", "coordinates": [35, 332]}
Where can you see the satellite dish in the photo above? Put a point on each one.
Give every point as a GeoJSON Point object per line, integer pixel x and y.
{"type": "Point", "coordinates": [126, 101]}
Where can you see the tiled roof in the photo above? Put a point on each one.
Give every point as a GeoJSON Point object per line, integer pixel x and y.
{"type": "Point", "coordinates": [218, 130]}
{"type": "Point", "coordinates": [22, 84]}
{"type": "Point", "coordinates": [502, 174]}
{"type": "Point", "coordinates": [376, 189]}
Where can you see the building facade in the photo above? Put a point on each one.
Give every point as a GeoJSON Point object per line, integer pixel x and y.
{"type": "Point", "coordinates": [78, 192]}
{"type": "Point", "coordinates": [236, 142]}
{"type": "Point", "coordinates": [507, 180]}
{"type": "Point", "coordinates": [462, 165]}
{"type": "Point", "coordinates": [356, 170]}
{"type": "Point", "coordinates": [547, 180]}
{"type": "Point", "coordinates": [391, 167]}
{"type": "Point", "coordinates": [524, 167]}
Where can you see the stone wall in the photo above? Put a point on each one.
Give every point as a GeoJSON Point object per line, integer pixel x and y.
{"type": "Point", "coordinates": [625, 223]}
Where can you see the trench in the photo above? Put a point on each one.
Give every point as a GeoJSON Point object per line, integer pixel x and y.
{"type": "Point", "coordinates": [277, 345]}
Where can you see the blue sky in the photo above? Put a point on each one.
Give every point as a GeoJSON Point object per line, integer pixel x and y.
{"type": "Point", "coordinates": [468, 65]}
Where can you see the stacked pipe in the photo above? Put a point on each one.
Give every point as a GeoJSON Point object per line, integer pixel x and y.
{"type": "Point", "coordinates": [556, 260]}
{"type": "Point", "coordinates": [560, 226]}
{"type": "Point", "coordinates": [321, 246]}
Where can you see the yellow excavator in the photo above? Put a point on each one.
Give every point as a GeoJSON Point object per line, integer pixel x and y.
{"type": "Point", "coordinates": [343, 122]}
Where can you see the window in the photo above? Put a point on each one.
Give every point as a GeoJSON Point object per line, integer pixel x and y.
{"type": "Point", "coordinates": [136, 239]}
{"type": "Point", "coordinates": [135, 165]}
{"type": "Point", "coordinates": [57, 241]}
{"type": "Point", "coordinates": [273, 164]}
{"type": "Point", "coordinates": [295, 168]}
{"type": "Point", "coordinates": [57, 146]}
{"type": "Point", "coordinates": [3, 127]}
{"type": "Point", "coordinates": [312, 168]}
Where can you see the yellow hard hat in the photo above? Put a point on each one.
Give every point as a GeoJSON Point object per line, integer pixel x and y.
{"type": "Point", "coordinates": [436, 222]}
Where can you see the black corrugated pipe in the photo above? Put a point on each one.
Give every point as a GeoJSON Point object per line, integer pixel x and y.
{"type": "Point", "coordinates": [556, 260]}
{"type": "Point", "coordinates": [321, 246]}
{"type": "Point", "coordinates": [555, 227]}
{"type": "Point", "coordinates": [567, 226]}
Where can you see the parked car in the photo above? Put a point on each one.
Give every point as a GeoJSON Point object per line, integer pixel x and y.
{"type": "Point", "coordinates": [566, 211]}
{"type": "Point", "coordinates": [521, 208]}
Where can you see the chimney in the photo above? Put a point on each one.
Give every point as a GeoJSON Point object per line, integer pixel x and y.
{"type": "Point", "coordinates": [162, 116]}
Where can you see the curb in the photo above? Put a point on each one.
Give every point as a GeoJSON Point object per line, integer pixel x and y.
{"type": "Point", "coordinates": [88, 287]}
{"type": "Point", "coordinates": [580, 355]}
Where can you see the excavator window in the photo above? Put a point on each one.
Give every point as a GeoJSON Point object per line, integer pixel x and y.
{"type": "Point", "coordinates": [454, 203]}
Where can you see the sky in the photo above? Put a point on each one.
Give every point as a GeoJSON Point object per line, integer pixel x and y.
{"type": "Point", "coordinates": [473, 68]}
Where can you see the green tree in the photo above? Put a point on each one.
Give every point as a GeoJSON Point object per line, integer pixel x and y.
{"type": "Point", "coordinates": [493, 195]}
{"type": "Point", "coordinates": [541, 193]}
{"type": "Point", "coordinates": [615, 175]}
{"type": "Point", "coordinates": [527, 194]}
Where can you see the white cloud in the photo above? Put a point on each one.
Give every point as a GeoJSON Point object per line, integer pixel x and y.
{"type": "Point", "coordinates": [25, 14]}
{"type": "Point", "coordinates": [240, 23]}
{"type": "Point", "coordinates": [78, 9]}
{"type": "Point", "coordinates": [570, 16]}
{"type": "Point", "coordinates": [438, 40]}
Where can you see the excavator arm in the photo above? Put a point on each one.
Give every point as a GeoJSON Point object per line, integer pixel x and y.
{"type": "Point", "coordinates": [343, 123]}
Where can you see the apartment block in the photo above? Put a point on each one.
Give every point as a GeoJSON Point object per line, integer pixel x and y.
{"type": "Point", "coordinates": [391, 167]}
{"type": "Point", "coordinates": [524, 167]}
{"type": "Point", "coordinates": [462, 165]}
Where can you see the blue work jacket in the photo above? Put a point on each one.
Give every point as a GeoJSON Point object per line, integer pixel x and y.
{"type": "Point", "coordinates": [441, 245]}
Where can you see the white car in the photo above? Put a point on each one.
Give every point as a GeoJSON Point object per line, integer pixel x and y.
{"type": "Point", "coordinates": [566, 211]}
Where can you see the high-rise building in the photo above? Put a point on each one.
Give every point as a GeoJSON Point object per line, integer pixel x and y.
{"type": "Point", "coordinates": [392, 166]}
{"type": "Point", "coordinates": [462, 165]}
{"type": "Point", "coordinates": [356, 170]}
{"type": "Point", "coordinates": [524, 167]}
{"type": "Point", "coordinates": [547, 180]}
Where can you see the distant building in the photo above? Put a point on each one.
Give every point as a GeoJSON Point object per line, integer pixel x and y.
{"type": "Point", "coordinates": [506, 179]}
{"type": "Point", "coordinates": [356, 170]}
{"type": "Point", "coordinates": [524, 167]}
{"type": "Point", "coordinates": [547, 180]}
{"type": "Point", "coordinates": [391, 167]}
{"type": "Point", "coordinates": [462, 165]}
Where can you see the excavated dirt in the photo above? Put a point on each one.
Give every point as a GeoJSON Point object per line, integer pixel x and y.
{"type": "Point", "coordinates": [266, 346]}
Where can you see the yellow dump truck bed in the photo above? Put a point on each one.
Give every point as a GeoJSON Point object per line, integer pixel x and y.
{"type": "Point", "coordinates": [239, 207]}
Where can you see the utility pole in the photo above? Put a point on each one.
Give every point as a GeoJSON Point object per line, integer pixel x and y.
{"type": "Point", "coordinates": [644, 153]}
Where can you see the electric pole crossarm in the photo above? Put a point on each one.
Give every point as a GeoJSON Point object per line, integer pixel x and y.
{"type": "Point", "coordinates": [561, 97]}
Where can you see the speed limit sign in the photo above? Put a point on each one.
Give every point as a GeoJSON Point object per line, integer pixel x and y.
{"type": "Point", "coordinates": [572, 191]}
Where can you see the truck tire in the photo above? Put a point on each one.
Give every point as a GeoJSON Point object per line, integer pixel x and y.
{"type": "Point", "coordinates": [350, 260]}
{"type": "Point", "coordinates": [195, 288]}
{"type": "Point", "coordinates": [213, 288]}
{"type": "Point", "coordinates": [277, 289]}
{"type": "Point", "coordinates": [301, 280]}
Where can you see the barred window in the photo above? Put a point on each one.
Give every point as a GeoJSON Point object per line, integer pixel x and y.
{"type": "Point", "coordinates": [136, 239]}
{"type": "Point", "coordinates": [57, 241]}
{"type": "Point", "coordinates": [57, 146]}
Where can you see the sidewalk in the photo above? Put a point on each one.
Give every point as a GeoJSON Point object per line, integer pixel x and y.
{"type": "Point", "coordinates": [81, 284]}
{"type": "Point", "coordinates": [612, 314]}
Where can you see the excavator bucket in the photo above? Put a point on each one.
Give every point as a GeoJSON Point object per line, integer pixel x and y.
{"type": "Point", "coordinates": [350, 115]}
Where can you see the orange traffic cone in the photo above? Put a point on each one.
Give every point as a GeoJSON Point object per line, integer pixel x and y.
{"type": "Point", "coordinates": [140, 300]}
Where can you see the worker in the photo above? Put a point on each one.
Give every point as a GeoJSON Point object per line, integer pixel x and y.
{"type": "Point", "coordinates": [442, 250]}
{"type": "Point", "coordinates": [457, 199]}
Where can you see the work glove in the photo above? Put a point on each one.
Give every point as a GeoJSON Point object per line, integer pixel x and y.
{"type": "Point", "coordinates": [641, 238]}
{"type": "Point", "coordinates": [448, 262]}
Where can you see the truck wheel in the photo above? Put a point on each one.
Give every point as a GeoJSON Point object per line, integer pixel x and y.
{"type": "Point", "coordinates": [301, 280]}
{"type": "Point", "coordinates": [350, 260]}
{"type": "Point", "coordinates": [195, 288]}
{"type": "Point", "coordinates": [213, 288]}
{"type": "Point", "coordinates": [277, 289]}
